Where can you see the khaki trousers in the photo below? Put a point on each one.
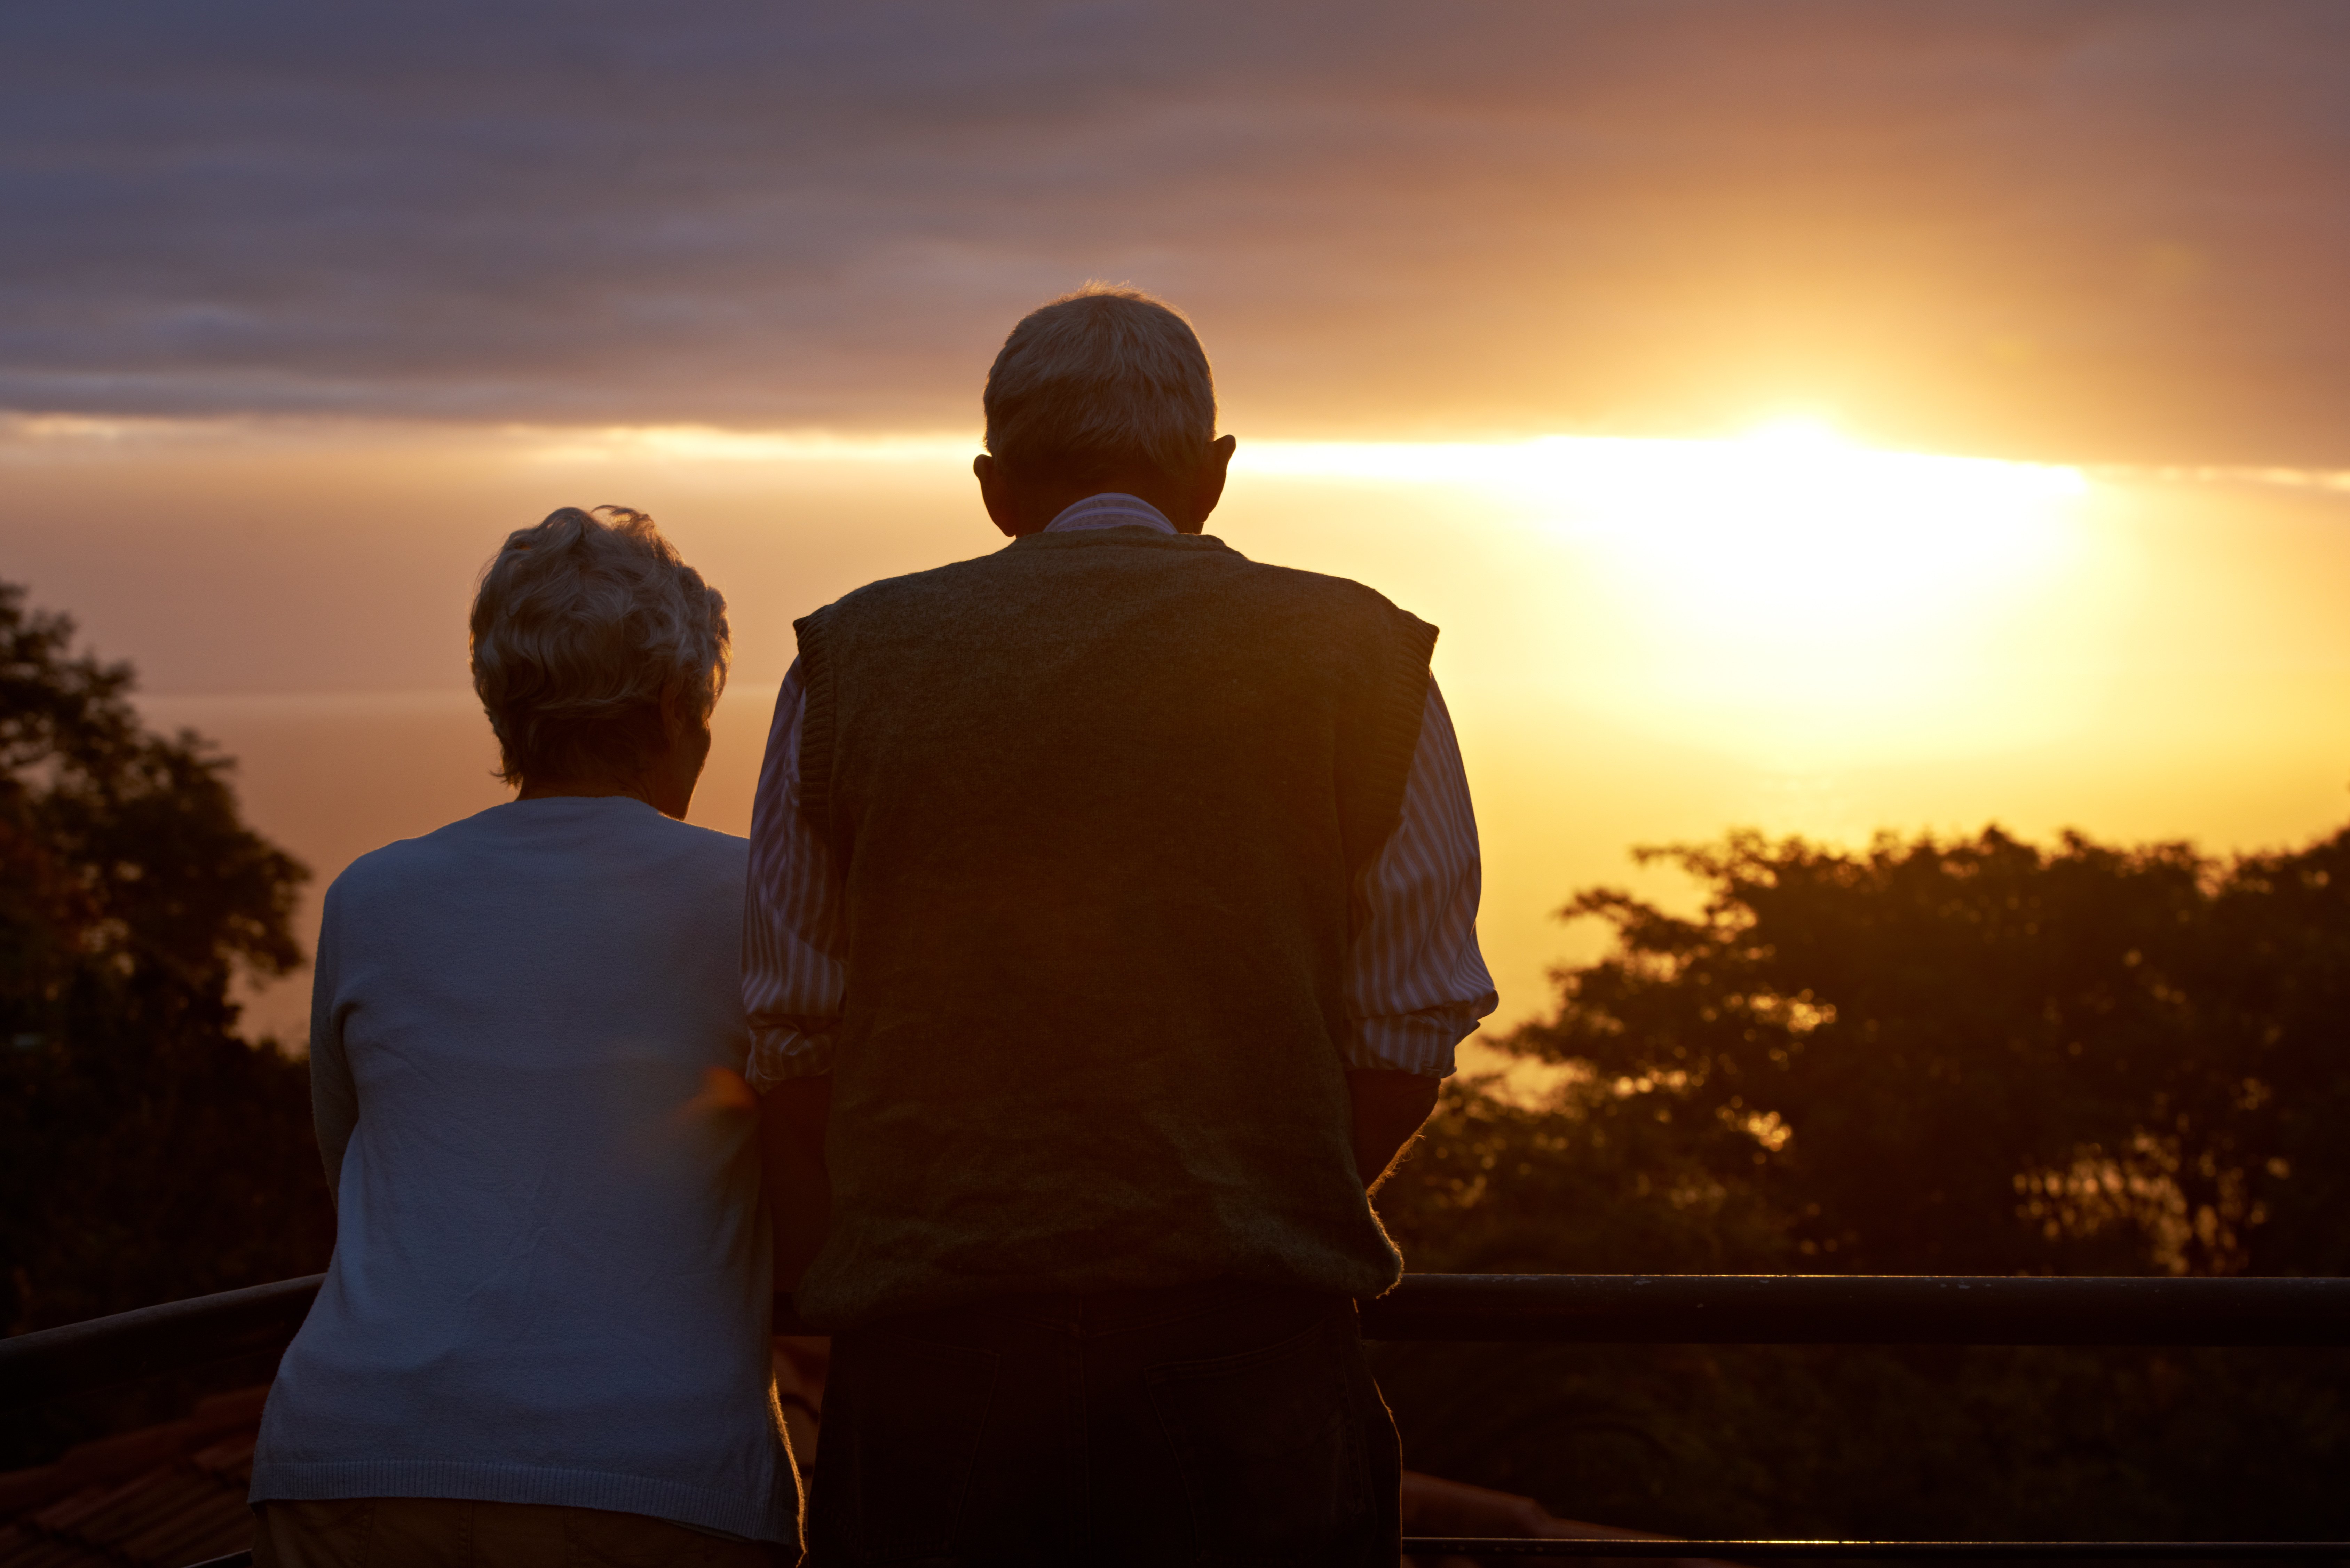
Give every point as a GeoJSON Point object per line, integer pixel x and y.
{"type": "Point", "coordinates": [442, 1532]}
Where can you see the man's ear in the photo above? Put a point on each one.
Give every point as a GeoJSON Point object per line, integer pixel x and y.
{"type": "Point", "coordinates": [1207, 480]}
{"type": "Point", "coordinates": [995, 493]}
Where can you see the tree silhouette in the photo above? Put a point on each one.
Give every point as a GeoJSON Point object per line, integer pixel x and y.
{"type": "Point", "coordinates": [1928, 1056]}
{"type": "Point", "coordinates": [146, 1152]}
{"type": "Point", "coordinates": [1984, 1057]}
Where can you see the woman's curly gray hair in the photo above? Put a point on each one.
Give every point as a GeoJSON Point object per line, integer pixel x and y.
{"type": "Point", "coordinates": [579, 627]}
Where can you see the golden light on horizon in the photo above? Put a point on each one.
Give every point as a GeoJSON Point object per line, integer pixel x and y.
{"type": "Point", "coordinates": [1644, 639]}
{"type": "Point", "coordinates": [1788, 596]}
{"type": "Point", "coordinates": [1789, 592]}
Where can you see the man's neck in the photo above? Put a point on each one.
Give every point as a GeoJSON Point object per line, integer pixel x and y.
{"type": "Point", "coordinates": [1020, 504]}
{"type": "Point", "coordinates": [1166, 497]}
{"type": "Point", "coordinates": [1110, 509]}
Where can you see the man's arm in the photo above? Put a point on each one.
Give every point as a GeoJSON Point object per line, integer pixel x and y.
{"type": "Point", "coordinates": [1389, 1109]}
{"type": "Point", "coordinates": [792, 1118]}
{"type": "Point", "coordinates": [1416, 983]}
{"type": "Point", "coordinates": [793, 985]}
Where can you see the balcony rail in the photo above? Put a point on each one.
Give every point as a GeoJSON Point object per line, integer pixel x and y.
{"type": "Point", "coordinates": [1603, 1309]}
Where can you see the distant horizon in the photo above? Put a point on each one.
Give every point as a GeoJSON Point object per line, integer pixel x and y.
{"type": "Point", "coordinates": [2143, 658]}
{"type": "Point", "coordinates": [66, 434]}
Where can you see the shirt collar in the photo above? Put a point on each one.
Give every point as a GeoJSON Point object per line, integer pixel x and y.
{"type": "Point", "coordinates": [1111, 509]}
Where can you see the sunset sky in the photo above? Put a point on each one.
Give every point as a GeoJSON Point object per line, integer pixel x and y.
{"type": "Point", "coordinates": [1818, 416]}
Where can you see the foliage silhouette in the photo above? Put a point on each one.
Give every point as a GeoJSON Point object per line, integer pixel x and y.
{"type": "Point", "coordinates": [1929, 1056]}
{"type": "Point", "coordinates": [147, 1153]}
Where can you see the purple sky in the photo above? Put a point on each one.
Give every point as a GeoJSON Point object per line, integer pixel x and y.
{"type": "Point", "coordinates": [2093, 230]}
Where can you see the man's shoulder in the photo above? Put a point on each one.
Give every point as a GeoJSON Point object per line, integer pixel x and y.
{"type": "Point", "coordinates": [1317, 607]}
{"type": "Point", "coordinates": [1221, 568]}
{"type": "Point", "coordinates": [885, 594]}
{"type": "Point", "coordinates": [1318, 586]}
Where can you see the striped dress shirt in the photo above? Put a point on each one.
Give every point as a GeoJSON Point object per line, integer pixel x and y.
{"type": "Point", "coordinates": [1416, 983]}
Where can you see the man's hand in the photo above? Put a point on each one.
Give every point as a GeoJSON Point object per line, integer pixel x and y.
{"type": "Point", "coordinates": [792, 1118]}
{"type": "Point", "coordinates": [1389, 1110]}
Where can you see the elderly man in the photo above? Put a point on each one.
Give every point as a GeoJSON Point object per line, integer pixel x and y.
{"type": "Point", "coordinates": [1111, 925]}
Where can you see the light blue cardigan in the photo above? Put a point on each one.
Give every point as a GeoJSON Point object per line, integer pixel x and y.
{"type": "Point", "coordinates": [551, 1268]}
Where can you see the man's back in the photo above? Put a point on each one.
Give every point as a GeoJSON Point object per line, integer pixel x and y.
{"type": "Point", "coordinates": [1111, 921]}
{"type": "Point", "coordinates": [1099, 799]}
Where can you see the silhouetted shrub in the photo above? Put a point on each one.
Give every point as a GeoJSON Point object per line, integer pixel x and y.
{"type": "Point", "coordinates": [1971, 1057]}
{"type": "Point", "coordinates": [147, 1153]}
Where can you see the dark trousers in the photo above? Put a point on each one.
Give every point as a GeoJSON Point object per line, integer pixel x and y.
{"type": "Point", "coordinates": [450, 1533]}
{"type": "Point", "coordinates": [1213, 1423]}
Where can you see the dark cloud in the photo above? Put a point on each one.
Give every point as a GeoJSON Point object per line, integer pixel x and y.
{"type": "Point", "coordinates": [2089, 228]}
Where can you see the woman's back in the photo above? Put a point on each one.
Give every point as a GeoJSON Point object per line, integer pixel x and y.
{"type": "Point", "coordinates": [552, 1272]}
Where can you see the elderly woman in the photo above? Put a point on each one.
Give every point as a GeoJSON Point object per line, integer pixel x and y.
{"type": "Point", "coordinates": [544, 1337]}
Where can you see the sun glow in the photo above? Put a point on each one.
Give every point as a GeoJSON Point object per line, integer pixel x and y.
{"type": "Point", "coordinates": [1794, 535]}
{"type": "Point", "coordinates": [1788, 598]}
{"type": "Point", "coordinates": [1789, 592]}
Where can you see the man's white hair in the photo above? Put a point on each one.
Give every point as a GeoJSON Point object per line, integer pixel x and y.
{"type": "Point", "coordinates": [1103, 378]}
{"type": "Point", "coordinates": [580, 625]}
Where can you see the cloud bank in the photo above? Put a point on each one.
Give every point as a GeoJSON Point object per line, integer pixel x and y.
{"type": "Point", "coordinates": [2090, 230]}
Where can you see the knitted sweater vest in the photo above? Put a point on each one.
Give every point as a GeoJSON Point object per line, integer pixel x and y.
{"type": "Point", "coordinates": [1099, 799]}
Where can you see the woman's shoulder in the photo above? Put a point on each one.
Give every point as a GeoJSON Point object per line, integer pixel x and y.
{"type": "Point", "coordinates": [397, 873]}
{"type": "Point", "coordinates": [402, 860]}
{"type": "Point", "coordinates": [648, 848]}
{"type": "Point", "coordinates": [514, 850]}
{"type": "Point", "coordinates": [717, 853]}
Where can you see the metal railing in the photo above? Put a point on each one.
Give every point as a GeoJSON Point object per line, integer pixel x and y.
{"type": "Point", "coordinates": [1602, 1309]}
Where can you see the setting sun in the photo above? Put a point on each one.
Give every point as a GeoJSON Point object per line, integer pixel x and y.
{"type": "Point", "coordinates": [1787, 589]}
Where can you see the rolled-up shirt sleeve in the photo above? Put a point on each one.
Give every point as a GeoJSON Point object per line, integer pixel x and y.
{"type": "Point", "coordinates": [1416, 980]}
{"type": "Point", "coordinates": [792, 975]}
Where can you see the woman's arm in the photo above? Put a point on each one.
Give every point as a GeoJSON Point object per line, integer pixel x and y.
{"type": "Point", "coordinates": [334, 1098]}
